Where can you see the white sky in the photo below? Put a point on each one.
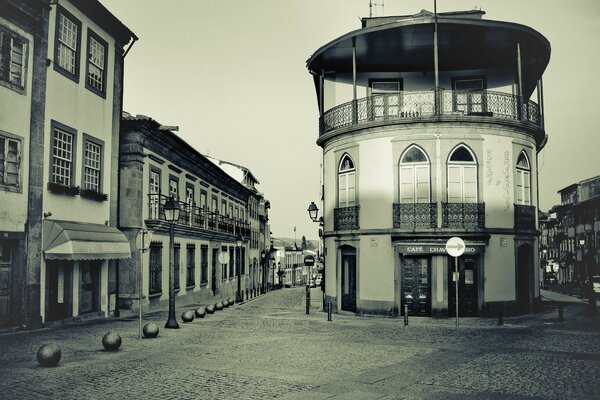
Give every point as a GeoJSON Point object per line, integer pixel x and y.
{"type": "Point", "coordinates": [231, 74]}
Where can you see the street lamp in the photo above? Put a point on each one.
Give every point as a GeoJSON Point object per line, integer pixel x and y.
{"type": "Point", "coordinates": [171, 211]}
{"type": "Point", "coordinates": [239, 242]}
{"type": "Point", "coordinates": [313, 211]}
{"type": "Point", "coordinates": [589, 261]}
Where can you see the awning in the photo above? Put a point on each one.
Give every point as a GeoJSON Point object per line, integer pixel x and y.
{"type": "Point", "coordinates": [67, 240]}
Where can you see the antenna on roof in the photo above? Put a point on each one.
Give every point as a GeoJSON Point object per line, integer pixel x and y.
{"type": "Point", "coordinates": [376, 3]}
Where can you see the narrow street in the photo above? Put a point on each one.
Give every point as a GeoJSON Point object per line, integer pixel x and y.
{"type": "Point", "coordinates": [269, 348]}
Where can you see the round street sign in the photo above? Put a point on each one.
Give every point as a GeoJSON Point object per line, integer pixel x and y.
{"type": "Point", "coordinates": [223, 257]}
{"type": "Point", "coordinates": [309, 260]}
{"type": "Point", "coordinates": [142, 240]}
{"type": "Point", "coordinates": [455, 246]}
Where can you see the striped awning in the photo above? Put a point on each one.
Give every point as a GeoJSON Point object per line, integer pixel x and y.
{"type": "Point", "coordinates": [68, 240]}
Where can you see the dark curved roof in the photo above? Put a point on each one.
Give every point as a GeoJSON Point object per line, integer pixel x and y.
{"type": "Point", "coordinates": [406, 45]}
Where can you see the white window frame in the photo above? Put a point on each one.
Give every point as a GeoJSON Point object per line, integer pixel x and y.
{"type": "Point", "coordinates": [63, 156]}
{"type": "Point", "coordinates": [13, 67]}
{"type": "Point", "coordinates": [346, 183]}
{"type": "Point", "coordinates": [466, 184]}
{"type": "Point", "coordinates": [92, 167]}
{"type": "Point", "coordinates": [410, 176]}
{"type": "Point", "coordinates": [7, 141]}
{"type": "Point", "coordinates": [523, 181]}
{"type": "Point", "coordinates": [384, 103]}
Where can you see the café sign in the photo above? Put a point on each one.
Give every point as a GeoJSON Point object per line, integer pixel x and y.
{"type": "Point", "coordinates": [421, 248]}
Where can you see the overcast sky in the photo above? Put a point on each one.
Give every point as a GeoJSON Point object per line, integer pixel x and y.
{"type": "Point", "coordinates": [232, 75]}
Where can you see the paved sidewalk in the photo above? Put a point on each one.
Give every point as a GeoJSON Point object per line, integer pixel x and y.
{"type": "Point", "coordinates": [269, 348]}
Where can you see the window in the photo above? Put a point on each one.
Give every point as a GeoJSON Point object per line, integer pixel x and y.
{"type": "Point", "coordinates": [154, 190]}
{"type": "Point", "coordinates": [224, 265]}
{"type": "Point", "coordinates": [96, 64]}
{"type": "Point", "coordinates": [462, 176]}
{"type": "Point", "coordinates": [92, 165]}
{"type": "Point", "coordinates": [523, 180]}
{"type": "Point", "coordinates": [191, 265]}
{"type": "Point", "coordinates": [176, 264]}
{"type": "Point", "coordinates": [63, 146]}
{"type": "Point", "coordinates": [189, 202]}
{"type": "Point", "coordinates": [173, 187]}
{"type": "Point", "coordinates": [68, 38]}
{"type": "Point", "coordinates": [13, 56]}
{"type": "Point", "coordinates": [223, 207]}
{"type": "Point", "coordinates": [386, 98]}
{"type": "Point", "coordinates": [10, 161]}
{"type": "Point", "coordinates": [468, 94]}
{"type": "Point", "coordinates": [346, 182]}
{"type": "Point", "coordinates": [203, 264]}
{"type": "Point", "coordinates": [414, 176]}
{"type": "Point", "coordinates": [155, 267]}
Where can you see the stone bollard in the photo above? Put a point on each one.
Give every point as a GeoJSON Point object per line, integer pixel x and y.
{"type": "Point", "coordinates": [231, 301]}
{"type": "Point", "coordinates": [210, 309]}
{"type": "Point", "coordinates": [111, 341]}
{"type": "Point", "coordinates": [187, 316]}
{"type": "Point", "coordinates": [48, 355]}
{"type": "Point", "coordinates": [150, 330]}
{"type": "Point", "coordinates": [406, 315]}
{"type": "Point", "coordinates": [219, 306]}
{"type": "Point", "coordinates": [328, 311]}
{"type": "Point", "coordinates": [200, 312]}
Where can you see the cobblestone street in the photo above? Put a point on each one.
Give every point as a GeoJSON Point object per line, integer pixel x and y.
{"type": "Point", "coordinates": [269, 348]}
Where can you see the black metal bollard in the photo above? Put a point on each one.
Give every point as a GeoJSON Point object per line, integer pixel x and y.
{"type": "Point", "coordinates": [501, 314]}
{"type": "Point", "coordinates": [246, 294]}
{"type": "Point", "coordinates": [561, 316]}
{"type": "Point", "coordinates": [328, 311]}
{"type": "Point", "coordinates": [307, 300]}
{"type": "Point", "coordinates": [406, 315]}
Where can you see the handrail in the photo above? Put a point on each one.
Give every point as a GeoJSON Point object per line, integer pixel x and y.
{"type": "Point", "coordinates": [198, 217]}
{"type": "Point", "coordinates": [404, 105]}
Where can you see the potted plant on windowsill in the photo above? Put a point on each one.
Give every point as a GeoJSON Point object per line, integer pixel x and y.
{"type": "Point", "coordinates": [93, 195]}
{"type": "Point", "coordinates": [59, 188]}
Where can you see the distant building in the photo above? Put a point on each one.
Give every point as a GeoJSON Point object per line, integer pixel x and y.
{"type": "Point", "coordinates": [61, 69]}
{"type": "Point", "coordinates": [216, 212]}
{"type": "Point", "coordinates": [429, 132]}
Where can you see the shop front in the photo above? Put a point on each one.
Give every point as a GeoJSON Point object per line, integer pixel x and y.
{"type": "Point", "coordinates": [75, 275]}
{"type": "Point", "coordinates": [427, 279]}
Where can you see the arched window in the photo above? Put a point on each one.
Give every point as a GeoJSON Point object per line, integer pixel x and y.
{"type": "Point", "coordinates": [414, 176]}
{"type": "Point", "coordinates": [346, 182]}
{"type": "Point", "coordinates": [462, 176]}
{"type": "Point", "coordinates": [523, 180]}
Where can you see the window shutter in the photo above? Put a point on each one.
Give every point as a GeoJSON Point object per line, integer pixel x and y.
{"type": "Point", "coordinates": [526, 189]}
{"type": "Point", "coordinates": [520, 191]}
{"type": "Point", "coordinates": [422, 187]}
{"type": "Point", "coordinates": [470, 184]}
{"type": "Point", "coordinates": [407, 185]}
{"type": "Point", "coordinates": [454, 184]}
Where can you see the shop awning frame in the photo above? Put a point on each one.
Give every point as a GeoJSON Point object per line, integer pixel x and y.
{"type": "Point", "coordinates": [68, 240]}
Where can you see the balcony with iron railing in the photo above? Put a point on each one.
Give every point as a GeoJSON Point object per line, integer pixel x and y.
{"type": "Point", "coordinates": [406, 106]}
{"type": "Point", "coordinates": [346, 218]}
{"type": "Point", "coordinates": [463, 215]}
{"type": "Point", "coordinates": [197, 217]}
{"type": "Point", "coordinates": [524, 217]}
{"type": "Point", "coordinates": [415, 215]}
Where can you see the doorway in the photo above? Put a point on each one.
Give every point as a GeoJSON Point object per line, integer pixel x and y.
{"type": "Point", "coordinates": [524, 266]}
{"type": "Point", "coordinates": [6, 263]}
{"type": "Point", "coordinates": [89, 290]}
{"type": "Point", "coordinates": [416, 285]}
{"type": "Point", "coordinates": [213, 270]}
{"type": "Point", "coordinates": [348, 279]}
{"type": "Point", "coordinates": [58, 289]}
{"type": "Point", "coordinates": [468, 286]}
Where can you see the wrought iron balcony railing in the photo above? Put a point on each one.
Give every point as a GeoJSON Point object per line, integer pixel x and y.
{"type": "Point", "coordinates": [197, 217]}
{"type": "Point", "coordinates": [415, 215]}
{"type": "Point", "coordinates": [346, 218]}
{"type": "Point", "coordinates": [463, 215]}
{"type": "Point", "coordinates": [524, 217]}
{"type": "Point", "coordinates": [405, 105]}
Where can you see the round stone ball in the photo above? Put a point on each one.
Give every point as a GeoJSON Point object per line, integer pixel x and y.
{"type": "Point", "coordinates": [219, 306]}
{"type": "Point", "coordinates": [225, 303]}
{"type": "Point", "coordinates": [150, 330]}
{"type": "Point", "coordinates": [200, 312]}
{"type": "Point", "coordinates": [48, 355]}
{"type": "Point", "coordinates": [187, 316]}
{"type": "Point", "coordinates": [210, 309]}
{"type": "Point", "coordinates": [231, 301]}
{"type": "Point", "coordinates": [111, 341]}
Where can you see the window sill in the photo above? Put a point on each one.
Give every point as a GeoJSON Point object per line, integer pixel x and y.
{"type": "Point", "coordinates": [11, 188]}
{"type": "Point", "coordinates": [154, 295]}
{"type": "Point", "coordinates": [93, 195]}
{"type": "Point", "coordinates": [57, 188]}
{"type": "Point", "coordinates": [190, 286]}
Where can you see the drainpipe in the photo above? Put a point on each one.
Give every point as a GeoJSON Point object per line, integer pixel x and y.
{"type": "Point", "coordinates": [117, 313]}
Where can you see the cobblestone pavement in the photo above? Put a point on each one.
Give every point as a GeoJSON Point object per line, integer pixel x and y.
{"type": "Point", "coordinates": [269, 348]}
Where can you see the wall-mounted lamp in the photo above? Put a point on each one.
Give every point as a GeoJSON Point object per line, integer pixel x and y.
{"type": "Point", "coordinates": [47, 214]}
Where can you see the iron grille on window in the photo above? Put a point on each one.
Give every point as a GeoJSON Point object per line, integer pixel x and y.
{"type": "Point", "coordinates": [415, 215]}
{"type": "Point", "coordinates": [155, 267]}
{"type": "Point", "coordinates": [62, 157]}
{"type": "Point", "coordinates": [176, 264]}
{"type": "Point", "coordinates": [191, 264]}
{"type": "Point", "coordinates": [463, 215]}
{"type": "Point", "coordinates": [203, 264]}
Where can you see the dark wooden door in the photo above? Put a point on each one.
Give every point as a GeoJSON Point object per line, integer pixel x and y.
{"type": "Point", "coordinates": [349, 280]}
{"type": "Point", "coordinates": [468, 286]}
{"type": "Point", "coordinates": [416, 286]}
{"type": "Point", "coordinates": [58, 283]}
{"type": "Point", "coordinates": [213, 275]}
{"type": "Point", "coordinates": [6, 257]}
{"type": "Point", "coordinates": [524, 266]}
{"type": "Point", "coordinates": [89, 290]}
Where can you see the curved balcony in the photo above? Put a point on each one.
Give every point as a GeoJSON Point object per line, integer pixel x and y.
{"type": "Point", "coordinates": [403, 106]}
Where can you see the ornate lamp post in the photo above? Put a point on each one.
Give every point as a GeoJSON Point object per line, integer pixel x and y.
{"type": "Point", "coordinates": [239, 297]}
{"type": "Point", "coordinates": [171, 211]}
{"type": "Point", "coordinates": [589, 262]}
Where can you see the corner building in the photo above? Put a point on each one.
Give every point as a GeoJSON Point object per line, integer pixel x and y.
{"type": "Point", "coordinates": [429, 131]}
